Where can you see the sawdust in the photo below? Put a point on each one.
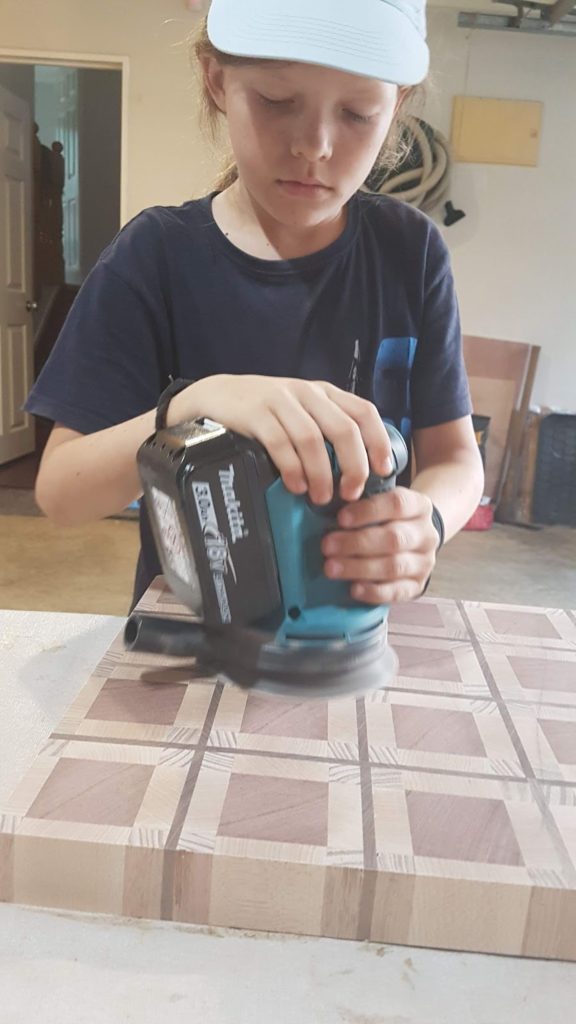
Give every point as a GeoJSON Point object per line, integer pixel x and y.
{"type": "Point", "coordinates": [408, 980]}
{"type": "Point", "coordinates": [369, 947]}
{"type": "Point", "coordinates": [351, 1017]}
{"type": "Point", "coordinates": [114, 921]}
{"type": "Point", "coordinates": [148, 924]}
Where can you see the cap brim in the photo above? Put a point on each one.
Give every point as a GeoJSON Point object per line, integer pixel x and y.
{"type": "Point", "coordinates": [376, 40]}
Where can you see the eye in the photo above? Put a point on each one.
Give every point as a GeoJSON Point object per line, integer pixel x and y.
{"type": "Point", "coordinates": [359, 118]}
{"type": "Point", "coordinates": [268, 102]}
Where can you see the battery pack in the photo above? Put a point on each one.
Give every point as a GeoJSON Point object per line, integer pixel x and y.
{"type": "Point", "coordinates": [205, 488]}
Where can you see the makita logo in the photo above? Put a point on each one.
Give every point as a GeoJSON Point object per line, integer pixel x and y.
{"type": "Point", "coordinates": [216, 544]}
{"type": "Point", "coordinates": [233, 507]}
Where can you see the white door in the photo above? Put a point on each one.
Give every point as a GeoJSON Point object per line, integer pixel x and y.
{"type": "Point", "coordinates": [17, 433]}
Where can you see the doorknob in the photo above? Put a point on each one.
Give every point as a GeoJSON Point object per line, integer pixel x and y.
{"type": "Point", "coordinates": [31, 306]}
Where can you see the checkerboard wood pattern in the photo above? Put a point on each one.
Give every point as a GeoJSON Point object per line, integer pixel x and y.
{"type": "Point", "coordinates": [438, 812]}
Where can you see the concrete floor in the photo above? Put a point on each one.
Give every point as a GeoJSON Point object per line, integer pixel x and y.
{"type": "Point", "coordinates": [510, 565]}
{"type": "Point", "coordinates": [85, 569]}
{"type": "Point", "coordinates": [90, 569]}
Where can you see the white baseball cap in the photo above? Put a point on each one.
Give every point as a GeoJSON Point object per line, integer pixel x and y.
{"type": "Point", "coordinates": [384, 39]}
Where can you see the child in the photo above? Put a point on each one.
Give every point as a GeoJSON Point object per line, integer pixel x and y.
{"type": "Point", "coordinates": [300, 307]}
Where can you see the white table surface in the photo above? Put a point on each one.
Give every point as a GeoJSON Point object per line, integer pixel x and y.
{"type": "Point", "coordinates": [57, 967]}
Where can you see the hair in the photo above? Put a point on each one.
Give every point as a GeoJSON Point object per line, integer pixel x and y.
{"type": "Point", "coordinates": [394, 150]}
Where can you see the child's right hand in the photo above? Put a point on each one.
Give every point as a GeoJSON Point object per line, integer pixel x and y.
{"type": "Point", "coordinates": [292, 418]}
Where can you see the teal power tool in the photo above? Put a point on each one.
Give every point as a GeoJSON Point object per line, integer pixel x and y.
{"type": "Point", "coordinates": [244, 555]}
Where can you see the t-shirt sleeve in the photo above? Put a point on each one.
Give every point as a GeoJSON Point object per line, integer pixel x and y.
{"type": "Point", "coordinates": [112, 357]}
{"type": "Point", "coordinates": [439, 383]}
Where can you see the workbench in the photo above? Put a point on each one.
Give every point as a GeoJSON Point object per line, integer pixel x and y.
{"type": "Point", "coordinates": [100, 968]}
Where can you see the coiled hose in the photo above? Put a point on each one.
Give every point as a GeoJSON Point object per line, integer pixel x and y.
{"type": "Point", "coordinates": [422, 177]}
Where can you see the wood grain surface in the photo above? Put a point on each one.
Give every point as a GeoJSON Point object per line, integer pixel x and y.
{"type": "Point", "coordinates": [439, 812]}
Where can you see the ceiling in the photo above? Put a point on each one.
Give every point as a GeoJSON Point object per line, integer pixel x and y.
{"type": "Point", "coordinates": [557, 17]}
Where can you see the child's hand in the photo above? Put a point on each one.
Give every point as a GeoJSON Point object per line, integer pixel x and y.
{"type": "Point", "coordinates": [292, 418]}
{"type": "Point", "coordinates": [387, 548]}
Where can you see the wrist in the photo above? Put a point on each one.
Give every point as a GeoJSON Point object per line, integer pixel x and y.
{"type": "Point", "coordinates": [200, 398]}
{"type": "Point", "coordinates": [438, 524]}
{"type": "Point", "coordinates": [174, 404]}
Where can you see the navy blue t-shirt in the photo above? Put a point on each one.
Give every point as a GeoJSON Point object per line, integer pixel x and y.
{"type": "Point", "coordinates": [171, 296]}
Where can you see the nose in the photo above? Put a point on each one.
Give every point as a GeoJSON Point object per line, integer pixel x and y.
{"type": "Point", "coordinates": [312, 140]}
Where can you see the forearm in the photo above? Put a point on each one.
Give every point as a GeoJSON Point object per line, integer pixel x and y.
{"type": "Point", "coordinates": [92, 476]}
{"type": "Point", "coordinates": [454, 486]}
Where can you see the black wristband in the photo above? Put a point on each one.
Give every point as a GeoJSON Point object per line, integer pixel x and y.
{"type": "Point", "coordinates": [438, 523]}
{"type": "Point", "coordinates": [174, 387]}
{"type": "Point", "coordinates": [439, 526]}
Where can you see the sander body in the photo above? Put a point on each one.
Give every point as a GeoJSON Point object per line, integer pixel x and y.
{"type": "Point", "coordinates": [243, 554]}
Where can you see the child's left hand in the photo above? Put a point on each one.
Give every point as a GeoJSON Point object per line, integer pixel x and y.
{"type": "Point", "coordinates": [387, 546]}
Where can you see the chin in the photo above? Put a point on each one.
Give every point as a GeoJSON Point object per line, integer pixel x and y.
{"type": "Point", "coordinates": [303, 213]}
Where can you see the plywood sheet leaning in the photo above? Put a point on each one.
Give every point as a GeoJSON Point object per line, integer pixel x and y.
{"type": "Point", "coordinates": [521, 507]}
{"type": "Point", "coordinates": [497, 371]}
{"type": "Point", "coordinates": [515, 468]}
{"type": "Point", "coordinates": [439, 812]}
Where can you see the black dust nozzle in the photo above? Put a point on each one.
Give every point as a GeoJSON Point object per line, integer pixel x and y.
{"type": "Point", "coordinates": [177, 638]}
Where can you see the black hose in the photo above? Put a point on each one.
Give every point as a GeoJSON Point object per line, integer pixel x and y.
{"type": "Point", "coordinates": [178, 638]}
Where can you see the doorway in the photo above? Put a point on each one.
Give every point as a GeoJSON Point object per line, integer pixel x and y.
{"type": "Point", "coordinates": [75, 166]}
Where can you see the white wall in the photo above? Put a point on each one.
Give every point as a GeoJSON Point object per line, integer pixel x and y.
{"type": "Point", "coordinates": [167, 161]}
{"type": "Point", "coordinates": [514, 255]}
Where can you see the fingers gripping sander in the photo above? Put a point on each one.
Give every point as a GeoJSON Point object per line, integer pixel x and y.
{"type": "Point", "coordinates": [244, 555]}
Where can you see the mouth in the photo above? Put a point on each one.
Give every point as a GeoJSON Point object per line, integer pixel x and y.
{"type": "Point", "coordinates": [303, 187]}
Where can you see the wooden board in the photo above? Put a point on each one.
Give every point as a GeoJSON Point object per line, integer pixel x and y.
{"type": "Point", "coordinates": [496, 371]}
{"type": "Point", "coordinates": [497, 396]}
{"type": "Point", "coordinates": [513, 470]}
{"type": "Point", "coordinates": [496, 131]}
{"type": "Point", "coordinates": [439, 812]}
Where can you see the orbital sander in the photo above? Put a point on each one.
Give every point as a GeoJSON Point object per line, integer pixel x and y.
{"type": "Point", "coordinates": [243, 554]}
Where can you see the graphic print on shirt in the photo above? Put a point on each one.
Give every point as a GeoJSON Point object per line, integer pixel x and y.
{"type": "Point", "coordinates": [353, 375]}
{"type": "Point", "coordinates": [391, 382]}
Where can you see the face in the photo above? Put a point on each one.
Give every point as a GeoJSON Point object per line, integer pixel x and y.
{"type": "Point", "coordinates": [304, 137]}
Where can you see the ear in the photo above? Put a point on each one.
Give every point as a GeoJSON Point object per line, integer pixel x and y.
{"type": "Point", "coordinates": [213, 74]}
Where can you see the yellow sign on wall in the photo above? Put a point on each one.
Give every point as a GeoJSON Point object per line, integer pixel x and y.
{"type": "Point", "coordinates": [486, 131]}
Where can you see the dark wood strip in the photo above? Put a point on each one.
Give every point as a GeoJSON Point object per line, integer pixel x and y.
{"type": "Point", "coordinates": [368, 828]}
{"type": "Point", "coordinates": [167, 899]}
{"type": "Point", "coordinates": [316, 758]}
